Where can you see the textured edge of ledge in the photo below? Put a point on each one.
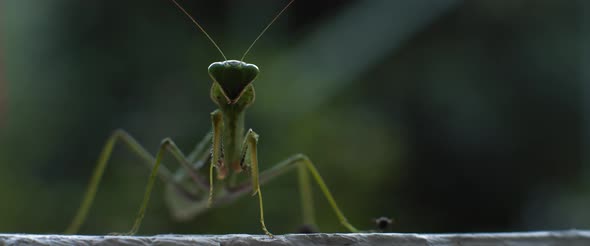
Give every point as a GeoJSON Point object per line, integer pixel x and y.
{"type": "Point", "coordinates": [570, 237]}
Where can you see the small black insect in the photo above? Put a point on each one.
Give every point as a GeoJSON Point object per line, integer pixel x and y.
{"type": "Point", "coordinates": [383, 223]}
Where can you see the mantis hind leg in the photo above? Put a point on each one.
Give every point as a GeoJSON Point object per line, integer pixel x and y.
{"type": "Point", "coordinates": [304, 167]}
{"type": "Point", "coordinates": [303, 163]}
{"type": "Point", "coordinates": [152, 162]}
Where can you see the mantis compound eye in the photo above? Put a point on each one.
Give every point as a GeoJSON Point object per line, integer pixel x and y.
{"type": "Point", "coordinates": [233, 77]}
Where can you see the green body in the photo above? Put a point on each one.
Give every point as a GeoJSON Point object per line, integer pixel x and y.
{"type": "Point", "coordinates": [233, 92]}
{"type": "Point", "coordinates": [233, 149]}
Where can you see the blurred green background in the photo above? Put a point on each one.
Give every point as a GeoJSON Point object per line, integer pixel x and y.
{"type": "Point", "coordinates": [449, 116]}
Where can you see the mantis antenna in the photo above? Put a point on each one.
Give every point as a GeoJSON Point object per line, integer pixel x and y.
{"type": "Point", "coordinates": [266, 28]}
{"type": "Point", "coordinates": [201, 28]}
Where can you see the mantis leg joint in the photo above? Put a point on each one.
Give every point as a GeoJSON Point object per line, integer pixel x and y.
{"type": "Point", "coordinates": [119, 133]}
{"type": "Point", "coordinates": [166, 141]}
{"type": "Point", "coordinates": [300, 156]}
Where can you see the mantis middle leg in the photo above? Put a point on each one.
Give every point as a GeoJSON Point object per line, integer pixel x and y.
{"type": "Point", "coordinates": [153, 163]}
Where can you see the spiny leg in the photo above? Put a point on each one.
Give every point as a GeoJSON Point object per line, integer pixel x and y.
{"type": "Point", "coordinates": [216, 151]}
{"type": "Point", "coordinates": [251, 142]}
{"type": "Point", "coordinates": [98, 172]}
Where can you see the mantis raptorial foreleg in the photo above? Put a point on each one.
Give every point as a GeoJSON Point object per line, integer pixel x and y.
{"type": "Point", "coordinates": [251, 159]}
{"type": "Point", "coordinates": [216, 151]}
{"type": "Point", "coordinates": [150, 161]}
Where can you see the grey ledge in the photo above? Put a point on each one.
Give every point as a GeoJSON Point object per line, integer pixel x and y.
{"type": "Point", "coordinates": [570, 237]}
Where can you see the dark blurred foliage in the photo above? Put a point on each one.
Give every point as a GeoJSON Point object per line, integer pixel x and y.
{"type": "Point", "coordinates": [445, 115]}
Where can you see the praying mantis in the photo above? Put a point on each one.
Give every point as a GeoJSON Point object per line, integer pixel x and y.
{"type": "Point", "coordinates": [228, 148]}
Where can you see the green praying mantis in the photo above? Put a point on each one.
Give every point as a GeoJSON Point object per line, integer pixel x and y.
{"type": "Point", "coordinates": [232, 151]}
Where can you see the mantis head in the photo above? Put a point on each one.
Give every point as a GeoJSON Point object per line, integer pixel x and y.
{"type": "Point", "coordinates": [233, 77]}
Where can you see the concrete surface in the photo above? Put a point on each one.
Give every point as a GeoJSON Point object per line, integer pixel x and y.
{"type": "Point", "coordinates": [570, 237]}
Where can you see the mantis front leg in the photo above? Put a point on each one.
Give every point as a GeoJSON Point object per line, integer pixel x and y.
{"type": "Point", "coordinates": [216, 152]}
{"type": "Point", "coordinates": [250, 146]}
